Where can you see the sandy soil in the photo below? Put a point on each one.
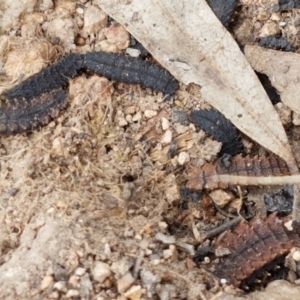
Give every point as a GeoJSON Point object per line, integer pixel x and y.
{"type": "Point", "coordinates": [90, 204]}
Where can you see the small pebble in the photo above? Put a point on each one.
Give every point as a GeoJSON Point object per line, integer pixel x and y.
{"type": "Point", "coordinates": [167, 137]}
{"type": "Point", "coordinates": [221, 197]}
{"type": "Point", "coordinates": [130, 110]}
{"type": "Point", "coordinates": [165, 239]}
{"type": "Point", "coordinates": [149, 113]}
{"type": "Point", "coordinates": [101, 271]}
{"type": "Point", "coordinates": [72, 293]}
{"type": "Point", "coordinates": [137, 117]}
{"type": "Point", "coordinates": [183, 158]}
{"type": "Point", "coordinates": [222, 251]}
{"type": "Point", "coordinates": [74, 281]}
{"type": "Point", "coordinates": [60, 286]}
{"type": "Point", "coordinates": [125, 282]}
{"type": "Point", "coordinates": [296, 119]}
{"type": "Point", "coordinates": [133, 52]}
{"type": "Point", "coordinates": [46, 282]}
{"type": "Point", "coordinates": [163, 225]}
{"type": "Point", "coordinates": [79, 10]}
{"type": "Point", "coordinates": [107, 250]}
{"type": "Point", "coordinates": [144, 244]}
{"type": "Point", "coordinates": [134, 293]}
{"type": "Point", "coordinates": [206, 260]}
{"type": "Point", "coordinates": [180, 129]}
{"type": "Point", "coordinates": [80, 271]}
{"type": "Point", "coordinates": [128, 118]}
{"type": "Point", "coordinates": [288, 225]}
{"type": "Point", "coordinates": [138, 237]}
{"type": "Point", "coordinates": [155, 262]}
{"type": "Point", "coordinates": [165, 124]}
{"type": "Point", "coordinates": [54, 295]}
{"type": "Point", "coordinates": [296, 255]}
{"type": "Point", "coordinates": [122, 122]}
{"type": "Point", "coordinates": [167, 253]}
{"type": "Point", "coordinates": [148, 252]}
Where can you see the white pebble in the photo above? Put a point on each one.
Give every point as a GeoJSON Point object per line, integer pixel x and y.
{"type": "Point", "coordinates": [221, 197]}
{"type": "Point", "coordinates": [163, 225]}
{"type": "Point", "coordinates": [101, 271]}
{"type": "Point", "coordinates": [144, 244]}
{"type": "Point", "coordinates": [125, 282]}
{"type": "Point", "coordinates": [183, 158]}
{"type": "Point", "coordinates": [72, 293]}
{"type": "Point", "coordinates": [137, 117]}
{"type": "Point", "coordinates": [149, 113]}
{"type": "Point", "coordinates": [296, 119]}
{"type": "Point", "coordinates": [107, 250]}
{"type": "Point", "coordinates": [74, 281]}
{"type": "Point", "coordinates": [148, 252]}
{"type": "Point", "coordinates": [288, 225]}
{"type": "Point", "coordinates": [46, 282]}
{"type": "Point", "coordinates": [296, 255]}
{"type": "Point", "coordinates": [155, 262]}
{"type": "Point", "coordinates": [80, 10]}
{"type": "Point", "coordinates": [134, 293]}
{"type": "Point", "coordinates": [165, 124]}
{"type": "Point", "coordinates": [167, 137]}
{"type": "Point", "coordinates": [133, 52]}
{"type": "Point", "coordinates": [166, 239]}
{"type": "Point", "coordinates": [79, 271]}
{"type": "Point", "coordinates": [122, 122]}
{"type": "Point", "coordinates": [138, 237]}
{"type": "Point", "coordinates": [167, 253]}
{"type": "Point", "coordinates": [54, 295]}
{"type": "Point", "coordinates": [60, 286]}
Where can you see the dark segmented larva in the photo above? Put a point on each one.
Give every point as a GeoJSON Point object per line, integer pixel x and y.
{"type": "Point", "coordinates": [40, 98]}
{"type": "Point", "coordinates": [130, 70]}
{"type": "Point", "coordinates": [50, 78]}
{"type": "Point", "coordinates": [28, 116]}
{"type": "Point", "coordinates": [254, 245]}
{"type": "Point", "coordinates": [220, 128]}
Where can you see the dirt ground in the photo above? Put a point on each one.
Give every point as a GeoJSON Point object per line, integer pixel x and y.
{"type": "Point", "coordinates": [90, 204]}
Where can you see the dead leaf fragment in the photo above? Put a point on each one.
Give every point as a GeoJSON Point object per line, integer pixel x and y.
{"type": "Point", "coordinates": [282, 68]}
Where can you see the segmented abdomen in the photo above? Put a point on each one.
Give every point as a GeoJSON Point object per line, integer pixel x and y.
{"type": "Point", "coordinates": [208, 176]}
{"type": "Point", "coordinates": [130, 70]}
{"type": "Point", "coordinates": [29, 116]}
{"type": "Point", "coordinates": [254, 245]}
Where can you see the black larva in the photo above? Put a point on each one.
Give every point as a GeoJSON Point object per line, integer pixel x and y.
{"type": "Point", "coordinates": [37, 100]}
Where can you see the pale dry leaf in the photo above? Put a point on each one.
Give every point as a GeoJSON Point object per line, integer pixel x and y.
{"type": "Point", "coordinates": [282, 68]}
{"type": "Point", "coordinates": [188, 40]}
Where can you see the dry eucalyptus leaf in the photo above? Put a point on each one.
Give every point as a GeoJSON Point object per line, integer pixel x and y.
{"type": "Point", "coordinates": [188, 40]}
{"type": "Point", "coordinates": [282, 68]}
